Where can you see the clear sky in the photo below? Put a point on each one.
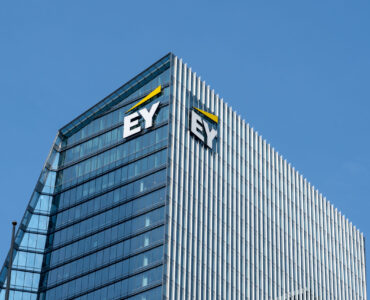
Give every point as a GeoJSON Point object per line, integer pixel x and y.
{"type": "Point", "coordinates": [297, 71]}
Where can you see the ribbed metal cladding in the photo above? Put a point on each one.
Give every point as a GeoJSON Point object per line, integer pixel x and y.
{"type": "Point", "coordinates": [242, 223]}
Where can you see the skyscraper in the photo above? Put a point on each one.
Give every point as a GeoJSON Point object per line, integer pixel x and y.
{"type": "Point", "coordinates": [161, 191]}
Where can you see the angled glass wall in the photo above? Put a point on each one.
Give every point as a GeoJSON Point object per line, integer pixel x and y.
{"type": "Point", "coordinates": [30, 241]}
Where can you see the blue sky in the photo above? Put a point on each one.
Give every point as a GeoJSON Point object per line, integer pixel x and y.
{"type": "Point", "coordinates": [297, 71]}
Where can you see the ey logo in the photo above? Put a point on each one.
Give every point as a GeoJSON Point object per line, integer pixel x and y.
{"type": "Point", "coordinates": [200, 127]}
{"type": "Point", "coordinates": [131, 122]}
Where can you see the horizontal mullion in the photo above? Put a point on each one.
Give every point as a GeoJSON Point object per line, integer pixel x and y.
{"type": "Point", "coordinates": [102, 150]}
{"type": "Point", "coordinates": [75, 123]}
{"type": "Point", "coordinates": [35, 231]}
{"type": "Point", "coordinates": [160, 168]}
{"type": "Point", "coordinates": [109, 170]}
{"type": "Point", "coordinates": [123, 220]}
{"type": "Point", "coordinates": [133, 235]}
{"type": "Point", "coordinates": [145, 289]}
{"type": "Point", "coordinates": [140, 251]}
{"type": "Point", "coordinates": [108, 208]}
{"type": "Point", "coordinates": [36, 251]}
{"type": "Point", "coordinates": [35, 212]}
{"type": "Point", "coordinates": [118, 280]}
{"type": "Point", "coordinates": [164, 86]}
{"type": "Point", "coordinates": [104, 228]}
{"type": "Point", "coordinates": [106, 129]}
{"type": "Point", "coordinates": [23, 290]}
{"type": "Point", "coordinates": [25, 270]}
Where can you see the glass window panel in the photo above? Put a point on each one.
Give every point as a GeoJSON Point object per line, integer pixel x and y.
{"type": "Point", "coordinates": [138, 147]}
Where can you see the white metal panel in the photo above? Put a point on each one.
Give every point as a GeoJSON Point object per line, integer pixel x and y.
{"type": "Point", "coordinates": [241, 222]}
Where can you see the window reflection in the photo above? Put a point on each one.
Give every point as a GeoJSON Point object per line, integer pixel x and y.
{"type": "Point", "coordinates": [112, 158]}
{"type": "Point", "coordinates": [119, 270]}
{"type": "Point", "coordinates": [114, 117]}
{"type": "Point", "coordinates": [107, 236]}
{"type": "Point", "coordinates": [105, 140]}
{"type": "Point", "coordinates": [117, 177]}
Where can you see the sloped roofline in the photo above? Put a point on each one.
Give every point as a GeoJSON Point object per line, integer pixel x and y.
{"type": "Point", "coordinates": [108, 101]}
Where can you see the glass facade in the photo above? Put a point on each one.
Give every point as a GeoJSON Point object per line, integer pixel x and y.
{"type": "Point", "coordinates": [159, 215]}
{"type": "Point", "coordinates": [95, 226]}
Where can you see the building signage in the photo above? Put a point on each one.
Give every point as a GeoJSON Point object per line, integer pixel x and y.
{"type": "Point", "coordinates": [131, 123]}
{"type": "Point", "coordinates": [201, 128]}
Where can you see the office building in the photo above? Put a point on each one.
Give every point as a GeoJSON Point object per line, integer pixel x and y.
{"type": "Point", "coordinates": [161, 191]}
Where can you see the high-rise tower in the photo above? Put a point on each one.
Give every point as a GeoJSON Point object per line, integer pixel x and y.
{"type": "Point", "coordinates": [161, 191]}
